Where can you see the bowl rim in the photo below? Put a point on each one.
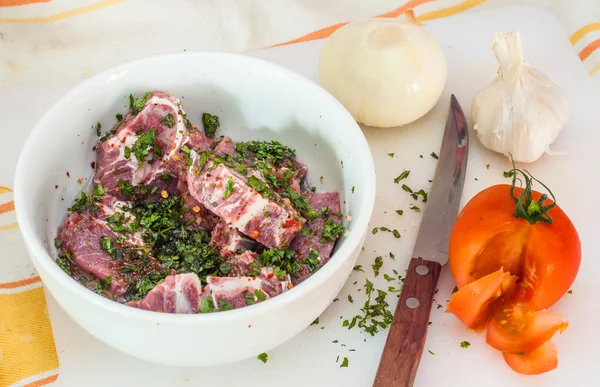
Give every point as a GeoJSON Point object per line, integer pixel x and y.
{"type": "Point", "coordinates": [40, 256]}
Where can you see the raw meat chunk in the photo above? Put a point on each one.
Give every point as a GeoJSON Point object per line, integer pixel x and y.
{"type": "Point", "coordinates": [312, 237]}
{"type": "Point", "coordinates": [227, 194]}
{"type": "Point", "coordinates": [141, 142]}
{"type": "Point", "coordinates": [179, 293]}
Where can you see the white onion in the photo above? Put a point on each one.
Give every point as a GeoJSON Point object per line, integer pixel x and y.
{"type": "Point", "coordinates": [386, 72]}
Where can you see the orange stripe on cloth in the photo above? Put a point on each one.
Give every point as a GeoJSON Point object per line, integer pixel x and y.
{"type": "Point", "coordinates": [62, 15]}
{"type": "Point", "coordinates": [445, 12]}
{"type": "Point", "coordinates": [16, 3]}
{"type": "Point", "coordinates": [4, 190]}
{"type": "Point", "coordinates": [580, 33]}
{"type": "Point", "coordinates": [7, 207]}
{"type": "Point", "coordinates": [43, 382]}
{"type": "Point", "coordinates": [327, 31]}
{"type": "Point", "coordinates": [10, 226]}
{"type": "Point", "coordinates": [589, 49]}
{"type": "Point", "coordinates": [16, 284]}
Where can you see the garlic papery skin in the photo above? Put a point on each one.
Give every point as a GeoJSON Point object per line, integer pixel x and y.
{"type": "Point", "coordinates": [386, 72]}
{"type": "Point", "coordinates": [522, 111]}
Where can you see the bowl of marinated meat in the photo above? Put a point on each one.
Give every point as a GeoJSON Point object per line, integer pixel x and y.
{"type": "Point", "coordinates": [195, 208]}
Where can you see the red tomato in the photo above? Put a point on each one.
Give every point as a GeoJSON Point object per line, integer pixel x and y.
{"type": "Point", "coordinates": [472, 303]}
{"type": "Point", "coordinates": [487, 236]}
{"type": "Point", "coordinates": [542, 359]}
{"type": "Point", "coordinates": [515, 327]}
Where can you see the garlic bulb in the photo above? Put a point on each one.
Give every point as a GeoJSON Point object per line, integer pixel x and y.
{"type": "Point", "coordinates": [522, 111]}
{"type": "Point", "coordinates": [386, 72]}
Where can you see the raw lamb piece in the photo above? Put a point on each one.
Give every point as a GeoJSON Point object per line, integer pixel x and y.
{"type": "Point", "coordinates": [179, 293]}
{"type": "Point", "coordinates": [170, 135]}
{"type": "Point", "coordinates": [80, 237]}
{"type": "Point", "coordinates": [225, 146]}
{"type": "Point", "coordinates": [303, 244]}
{"type": "Point", "coordinates": [227, 194]}
{"type": "Point", "coordinates": [234, 290]}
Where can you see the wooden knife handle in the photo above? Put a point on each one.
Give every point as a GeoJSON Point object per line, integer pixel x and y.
{"type": "Point", "coordinates": [406, 338]}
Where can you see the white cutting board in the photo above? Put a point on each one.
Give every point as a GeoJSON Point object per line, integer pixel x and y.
{"type": "Point", "coordinates": [310, 358]}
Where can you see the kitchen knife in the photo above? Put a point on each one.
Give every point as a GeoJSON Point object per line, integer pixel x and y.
{"type": "Point", "coordinates": [406, 338]}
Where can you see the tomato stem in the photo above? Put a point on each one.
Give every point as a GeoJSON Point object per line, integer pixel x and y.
{"type": "Point", "coordinates": [531, 210]}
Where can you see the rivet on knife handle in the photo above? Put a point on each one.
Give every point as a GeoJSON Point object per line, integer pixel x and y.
{"type": "Point", "coordinates": [406, 338]}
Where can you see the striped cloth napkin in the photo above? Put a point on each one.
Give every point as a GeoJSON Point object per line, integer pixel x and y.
{"type": "Point", "coordinates": [51, 41]}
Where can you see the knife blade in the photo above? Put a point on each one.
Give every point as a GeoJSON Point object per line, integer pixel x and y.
{"type": "Point", "coordinates": [405, 342]}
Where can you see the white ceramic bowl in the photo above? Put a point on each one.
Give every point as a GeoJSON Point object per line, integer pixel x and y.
{"type": "Point", "coordinates": [254, 99]}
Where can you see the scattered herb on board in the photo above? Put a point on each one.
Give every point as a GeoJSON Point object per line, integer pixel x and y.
{"type": "Point", "coordinates": [315, 322]}
{"type": "Point", "coordinates": [431, 352]}
{"type": "Point", "coordinates": [358, 268]}
{"type": "Point", "coordinates": [375, 315]}
{"type": "Point", "coordinates": [399, 212]}
{"type": "Point", "coordinates": [385, 229]}
{"type": "Point", "coordinates": [377, 265]}
{"type": "Point", "coordinates": [508, 174]}
{"type": "Point", "coordinates": [396, 233]}
{"type": "Point", "coordinates": [465, 344]}
{"type": "Point", "coordinates": [263, 357]}
{"type": "Point", "coordinates": [570, 291]}
{"type": "Point", "coordinates": [350, 299]}
{"type": "Point", "coordinates": [210, 124]}
{"type": "Point", "coordinates": [392, 256]}
{"type": "Point", "coordinates": [455, 290]}
{"type": "Point", "coordinates": [391, 154]}
{"type": "Point", "coordinates": [415, 208]}
{"type": "Point", "coordinates": [407, 188]}
{"type": "Point", "coordinates": [344, 362]}
{"type": "Point", "coordinates": [375, 230]}
{"type": "Point", "coordinates": [167, 121]}
{"type": "Point", "coordinates": [388, 278]}
{"type": "Point", "coordinates": [434, 155]}
{"type": "Point", "coordinates": [98, 129]}
{"type": "Point", "coordinates": [402, 176]}
{"type": "Point", "coordinates": [487, 166]}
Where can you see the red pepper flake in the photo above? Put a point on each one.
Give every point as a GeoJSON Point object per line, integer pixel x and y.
{"type": "Point", "coordinates": [249, 325]}
{"type": "Point", "coordinates": [94, 148]}
{"type": "Point", "coordinates": [270, 275]}
{"type": "Point", "coordinates": [93, 164]}
{"type": "Point", "coordinates": [63, 199]}
{"type": "Point", "coordinates": [68, 174]}
{"type": "Point", "coordinates": [55, 187]}
{"type": "Point", "coordinates": [123, 140]}
{"type": "Point", "coordinates": [254, 234]}
{"type": "Point", "coordinates": [80, 181]}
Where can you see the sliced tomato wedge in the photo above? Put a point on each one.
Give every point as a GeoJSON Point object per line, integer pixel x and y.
{"type": "Point", "coordinates": [516, 327]}
{"type": "Point", "coordinates": [472, 304]}
{"type": "Point", "coordinates": [542, 359]}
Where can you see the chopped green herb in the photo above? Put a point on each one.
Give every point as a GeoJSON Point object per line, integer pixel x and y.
{"type": "Point", "coordinates": [119, 118]}
{"type": "Point", "coordinates": [57, 242]}
{"type": "Point", "coordinates": [207, 306]}
{"type": "Point", "coordinates": [407, 188]}
{"type": "Point", "coordinates": [331, 231]}
{"type": "Point", "coordinates": [391, 154]}
{"type": "Point", "coordinates": [103, 284]}
{"type": "Point", "coordinates": [167, 120]}
{"type": "Point", "coordinates": [388, 278]}
{"type": "Point", "coordinates": [377, 265]}
{"type": "Point", "coordinates": [224, 305]}
{"type": "Point", "coordinates": [465, 344]}
{"type": "Point", "coordinates": [508, 174]}
{"type": "Point", "coordinates": [350, 299]}
{"type": "Point", "coordinates": [431, 352]}
{"type": "Point", "coordinates": [415, 208]}
{"type": "Point", "coordinates": [352, 189]}
{"type": "Point", "coordinates": [392, 256]}
{"type": "Point", "coordinates": [396, 233]}
{"type": "Point", "coordinates": [263, 357]}
{"type": "Point", "coordinates": [487, 166]}
{"type": "Point", "coordinates": [137, 104]}
{"type": "Point", "coordinates": [385, 229]}
{"type": "Point", "coordinates": [455, 290]}
{"type": "Point", "coordinates": [375, 230]}
{"type": "Point", "coordinates": [344, 362]}
{"type": "Point", "coordinates": [315, 322]}
{"type": "Point", "coordinates": [98, 129]}
{"type": "Point", "coordinates": [285, 260]}
{"type": "Point", "coordinates": [99, 190]}
{"type": "Point", "coordinates": [392, 289]}
{"type": "Point", "coordinates": [358, 268]}
{"type": "Point", "coordinates": [210, 124]}
{"type": "Point", "coordinates": [143, 144]}
{"type": "Point", "coordinates": [399, 212]}
{"type": "Point", "coordinates": [125, 187]}
{"type": "Point", "coordinates": [229, 189]}
{"type": "Point", "coordinates": [570, 291]}
{"type": "Point", "coordinates": [83, 204]}
{"type": "Point", "coordinates": [250, 299]}
{"type": "Point", "coordinates": [260, 294]}
{"type": "Point", "coordinates": [434, 155]}
{"type": "Point", "coordinates": [402, 176]}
